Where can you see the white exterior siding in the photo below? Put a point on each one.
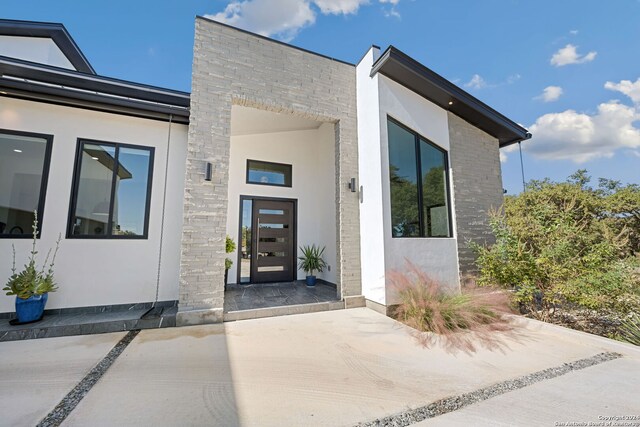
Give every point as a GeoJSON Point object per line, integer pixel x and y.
{"type": "Point", "coordinates": [91, 271]}
{"type": "Point", "coordinates": [438, 257]}
{"type": "Point", "coordinates": [378, 98]}
{"type": "Point", "coordinates": [370, 173]}
{"type": "Point", "coordinates": [312, 156]}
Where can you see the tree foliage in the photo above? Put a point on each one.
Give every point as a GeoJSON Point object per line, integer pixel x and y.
{"type": "Point", "coordinates": [567, 244]}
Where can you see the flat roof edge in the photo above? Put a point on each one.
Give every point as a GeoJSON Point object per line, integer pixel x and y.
{"type": "Point", "coordinates": [450, 89]}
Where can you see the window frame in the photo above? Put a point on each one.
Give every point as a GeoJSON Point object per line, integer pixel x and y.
{"type": "Point", "coordinates": [44, 181]}
{"type": "Point", "coordinates": [290, 166]}
{"type": "Point", "coordinates": [417, 139]}
{"type": "Point", "coordinates": [75, 186]}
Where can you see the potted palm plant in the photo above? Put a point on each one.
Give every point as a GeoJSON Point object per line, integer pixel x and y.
{"type": "Point", "coordinates": [311, 261]}
{"type": "Point", "coordinates": [31, 286]}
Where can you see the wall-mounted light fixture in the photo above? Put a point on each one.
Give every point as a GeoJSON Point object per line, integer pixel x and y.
{"type": "Point", "coordinates": [208, 172]}
{"type": "Point", "coordinates": [352, 185]}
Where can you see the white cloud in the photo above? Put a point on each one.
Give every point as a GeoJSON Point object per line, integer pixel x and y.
{"type": "Point", "coordinates": [339, 7]}
{"type": "Point", "coordinates": [392, 11]}
{"type": "Point", "coordinates": [569, 55]}
{"type": "Point", "coordinates": [574, 32]}
{"type": "Point", "coordinates": [476, 82]}
{"type": "Point", "coordinates": [283, 19]}
{"type": "Point", "coordinates": [504, 151]}
{"type": "Point", "coordinates": [632, 90]}
{"type": "Point", "coordinates": [580, 136]}
{"type": "Point", "coordinates": [513, 78]}
{"type": "Point", "coordinates": [550, 94]}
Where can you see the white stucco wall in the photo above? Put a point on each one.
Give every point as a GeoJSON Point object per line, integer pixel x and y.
{"type": "Point", "coordinates": [98, 272]}
{"type": "Point", "coordinates": [370, 172]}
{"type": "Point", "coordinates": [438, 257]}
{"type": "Point", "coordinates": [35, 49]}
{"type": "Point", "coordinates": [312, 154]}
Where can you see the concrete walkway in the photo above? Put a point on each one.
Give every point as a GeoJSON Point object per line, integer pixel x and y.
{"type": "Point", "coordinates": [582, 397]}
{"type": "Point", "coordinates": [322, 369]}
{"type": "Point", "coordinates": [36, 374]}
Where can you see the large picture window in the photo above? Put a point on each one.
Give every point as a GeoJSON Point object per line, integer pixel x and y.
{"type": "Point", "coordinates": [111, 191]}
{"type": "Point", "coordinates": [24, 167]}
{"type": "Point", "coordinates": [419, 185]}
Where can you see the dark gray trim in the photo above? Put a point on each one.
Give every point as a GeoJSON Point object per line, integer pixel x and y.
{"type": "Point", "coordinates": [43, 183]}
{"type": "Point", "coordinates": [418, 152]}
{"type": "Point", "coordinates": [408, 72]}
{"type": "Point", "coordinates": [76, 181]}
{"type": "Point", "coordinates": [267, 183]}
{"type": "Point", "coordinates": [102, 104]}
{"type": "Point", "coordinates": [95, 309]}
{"type": "Point", "coordinates": [57, 32]}
{"type": "Point", "coordinates": [27, 80]}
{"type": "Point", "coordinates": [93, 83]}
{"type": "Point", "coordinates": [273, 40]}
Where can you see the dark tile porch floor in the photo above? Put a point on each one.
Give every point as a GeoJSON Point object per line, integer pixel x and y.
{"type": "Point", "coordinates": [267, 295]}
{"type": "Point", "coordinates": [83, 323]}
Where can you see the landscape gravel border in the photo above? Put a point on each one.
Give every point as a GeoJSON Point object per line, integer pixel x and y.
{"type": "Point", "coordinates": [71, 400]}
{"type": "Point", "coordinates": [450, 404]}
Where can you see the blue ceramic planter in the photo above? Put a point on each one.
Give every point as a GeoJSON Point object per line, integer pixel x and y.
{"type": "Point", "coordinates": [31, 309]}
{"type": "Point", "coordinates": [311, 280]}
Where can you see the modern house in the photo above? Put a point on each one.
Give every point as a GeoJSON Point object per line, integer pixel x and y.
{"type": "Point", "coordinates": [380, 162]}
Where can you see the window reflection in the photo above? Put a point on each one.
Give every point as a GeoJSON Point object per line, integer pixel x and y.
{"type": "Point", "coordinates": [112, 190]}
{"type": "Point", "coordinates": [22, 162]}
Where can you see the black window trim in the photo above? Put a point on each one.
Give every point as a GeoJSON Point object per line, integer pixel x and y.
{"type": "Point", "coordinates": [74, 191]}
{"type": "Point", "coordinates": [43, 182]}
{"type": "Point", "coordinates": [417, 139]}
{"type": "Point", "coordinates": [267, 183]}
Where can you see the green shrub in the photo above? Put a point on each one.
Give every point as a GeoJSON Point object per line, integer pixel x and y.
{"type": "Point", "coordinates": [229, 247]}
{"type": "Point", "coordinates": [311, 259]}
{"type": "Point", "coordinates": [31, 281]}
{"type": "Point", "coordinates": [561, 245]}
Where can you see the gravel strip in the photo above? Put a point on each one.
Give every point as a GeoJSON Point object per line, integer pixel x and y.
{"type": "Point", "coordinates": [71, 400]}
{"type": "Point", "coordinates": [454, 403]}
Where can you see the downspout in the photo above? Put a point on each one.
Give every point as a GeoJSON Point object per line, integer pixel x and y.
{"type": "Point", "coordinates": [153, 311]}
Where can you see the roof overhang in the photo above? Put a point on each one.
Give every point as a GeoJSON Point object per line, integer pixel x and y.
{"type": "Point", "coordinates": [408, 72]}
{"type": "Point", "coordinates": [57, 32]}
{"type": "Point", "coordinates": [28, 80]}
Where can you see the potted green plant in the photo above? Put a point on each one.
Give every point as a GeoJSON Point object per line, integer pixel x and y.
{"type": "Point", "coordinates": [311, 261]}
{"type": "Point", "coordinates": [230, 246]}
{"type": "Point", "coordinates": [32, 286]}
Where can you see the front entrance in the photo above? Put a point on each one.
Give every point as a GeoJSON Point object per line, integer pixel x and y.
{"type": "Point", "coordinates": [268, 239]}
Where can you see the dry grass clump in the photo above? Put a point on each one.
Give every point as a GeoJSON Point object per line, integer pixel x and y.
{"type": "Point", "coordinates": [460, 321]}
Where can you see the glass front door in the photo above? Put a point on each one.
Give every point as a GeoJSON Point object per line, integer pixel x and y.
{"type": "Point", "coordinates": [267, 241]}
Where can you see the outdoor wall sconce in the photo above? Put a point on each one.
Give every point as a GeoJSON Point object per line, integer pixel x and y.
{"type": "Point", "coordinates": [352, 185]}
{"type": "Point", "coordinates": [208, 172]}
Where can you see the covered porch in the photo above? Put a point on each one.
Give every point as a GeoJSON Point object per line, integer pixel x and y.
{"type": "Point", "coordinates": [282, 196]}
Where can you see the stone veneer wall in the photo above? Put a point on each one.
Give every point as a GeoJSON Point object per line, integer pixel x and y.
{"type": "Point", "coordinates": [231, 66]}
{"type": "Point", "coordinates": [477, 186]}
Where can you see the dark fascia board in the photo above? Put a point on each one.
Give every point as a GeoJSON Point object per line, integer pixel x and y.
{"type": "Point", "coordinates": [57, 32]}
{"type": "Point", "coordinates": [408, 72]}
{"type": "Point", "coordinates": [204, 18]}
{"type": "Point", "coordinates": [25, 80]}
{"type": "Point", "coordinates": [59, 76]}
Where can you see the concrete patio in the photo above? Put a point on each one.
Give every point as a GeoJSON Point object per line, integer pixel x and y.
{"type": "Point", "coordinates": [326, 369]}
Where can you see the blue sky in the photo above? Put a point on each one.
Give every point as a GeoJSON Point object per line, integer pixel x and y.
{"type": "Point", "coordinates": [505, 52]}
